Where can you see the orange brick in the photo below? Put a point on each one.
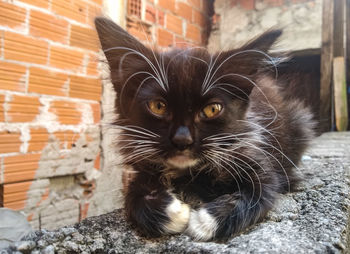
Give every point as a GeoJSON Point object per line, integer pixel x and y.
{"type": "Point", "coordinates": [99, 2]}
{"type": "Point", "coordinates": [84, 38]}
{"type": "Point", "coordinates": [48, 26]}
{"type": "Point", "coordinates": [73, 9]}
{"type": "Point", "coordinates": [195, 3]}
{"type": "Point", "coordinates": [174, 23]}
{"type": "Point", "coordinates": [40, 3]}
{"type": "Point", "coordinates": [199, 18]}
{"type": "Point", "coordinates": [10, 142]}
{"type": "Point", "coordinates": [165, 38]}
{"type": "Point", "coordinates": [193, 33]}
{"type": "Point", "coordinates": [47, 82]}
{"type": "Point", "coordinates": [66, 112]}
{"type": "Point", "coordinates": [97, 162]}
{"type": "Point", "coordinates": [181, 43]}
{"type": "Point", "coordinates": [12, 77]}
{"type": "Point", "coordinates": [23, 48]}
{"type": "Point", "coordinates": [11, 15]}
{"type": "Point", "coordinates": [248, 4]}
{"type": "Point", "coordinates": [93, 11]}
{"type": "Point", "coordinates": [92, 67]}
{"type": "Point", "coordinates": [19, 205]}
{"type": "Point", "coordinates": [96, 112]}
{"type": "Point", "coordinates": [85, 88]}
{"type": "Point", "coordinates": [17, 187]}
{"type": "Point", "coordinates": [160, 17]}
{"type": "Point", "coordinates": [67, 59]}
{"type": "Point", "coordinates": [38, 139]}
{"type": "Point", "coordinates": [23, 108]}
{"type": "Point", "coordinates": [151, 14]}
{"type": "Point", "coordinates": [184, 10]}
{"type": "Point", "coordinates": [167, 4]}
{"type": "Point", "coordinates": [21, 167]}
{"type": "Point", "coordinates": [2, 113]}
{"type": "Point", "coordinates": [66, 138]}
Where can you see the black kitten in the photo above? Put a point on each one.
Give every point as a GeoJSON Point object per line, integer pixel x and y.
{"type": "Point", "coordinates": [211, 139]}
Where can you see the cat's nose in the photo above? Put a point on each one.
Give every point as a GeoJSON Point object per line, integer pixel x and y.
{"type": "Point", "coordinates": [182, 138]}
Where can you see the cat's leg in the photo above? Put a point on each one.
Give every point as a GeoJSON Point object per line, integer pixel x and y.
{"type": "Point", "coordinates": [227, 215]}
{"type": "Point", "coordinates": [153, 208]}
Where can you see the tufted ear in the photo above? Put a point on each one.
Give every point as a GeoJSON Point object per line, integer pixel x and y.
{"type": "Point", "coordinates": [264, 41]}
{"type": "Point", "coordinates": [124, 52]}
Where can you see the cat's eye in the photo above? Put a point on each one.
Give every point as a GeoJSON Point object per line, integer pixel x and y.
{"type": "Point", "coordinates": [157, 107]}
{"type": "Point", "coordinates": [211, 110]}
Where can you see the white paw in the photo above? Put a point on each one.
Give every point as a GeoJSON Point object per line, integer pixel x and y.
{"type": "Point", "coordinates": [202, 226]}
{"type": "Point", "coordinates": [179, 214]}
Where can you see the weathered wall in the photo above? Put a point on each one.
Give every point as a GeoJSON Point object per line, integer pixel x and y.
{"type": "Point", "coordinates": [49, 108]}
{"type": "Point", "coordinates": [236, 21]}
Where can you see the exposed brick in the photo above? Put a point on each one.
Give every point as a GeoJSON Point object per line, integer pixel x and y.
{"type": "Point", "coordinates": [22, 48]}
{"type": "Point", "coordinates": [167, 4]}
{"type": "Point", "coordinates": [92, 67]}
{"type": "Point", "coordinates": [73, 9]}
{"type": "Point", "coordinates": [151, 14]}
{"type": "Point", "coordinates": [67, 112]}
{"type": "Point", "coordinates": [23, 108]}
{"type": "Point", "coordinates": [84, 38]}
{"type": "Point", "coordinates": [181, 43]}
{"type": "Point", "coordinates": [184, 10]}
{"type": "Point", "coordinates": [160, 17]}
{"type": "Point", "coordinates": [139, 30]}
{"type": "Point", "coordinates": [174, 23]}
{"type": "Point", "coordinates": [67, 59]}
{"type": "Point", "coordinates": [165, 38]}
{"type": "Point", "coordinates": [18, 205]}
{"type": "Point", "coordinates": [2, 113]}
{"type": "Point", "coordinates": [97, 162]}
{"type": "Point", "coordinates": [247, 4]}
{"type": "Point", "coordinates": [21, 167]}
{"type": "Point", "coordinates": [10, 142]}
{"type": "Point", "coordinates": [93, 11]}
{"type": "Point", "coordinates": [48, 26]}
{"type": "Point", "coordinates": [85, 88]}
{"type": "Point", "coordinates": [195, 3]}
{"type": "Point", "coordinates": [99, 2]}
{"type": "Point", "coordinates": [44, 81]}
{"type": "Point", "coordinates": [96, 112]}
{"type": "Point", "coordinates": [38, 139]}
{"type": "Point", "coordinates": [66, 138]}
{"type": "Point", "coordinates": [40, 3]}
{"type": "Point", "coordinates": [17, 187]}
{"type": "Point", "coordinates": [11, 15]}
{"type": "Point", "coordinates": [12, 77]}
{"type": "Point", "coordinates": [193, 33]}
{"type": "Point", "coordinates": [199, 18]}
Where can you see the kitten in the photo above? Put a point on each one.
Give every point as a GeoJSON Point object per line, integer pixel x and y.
{"type": "Point", "coordinates": [211, 139]}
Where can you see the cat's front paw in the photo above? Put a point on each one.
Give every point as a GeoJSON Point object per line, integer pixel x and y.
{"type": "Point", "coordinates": [202, 226]}
{"type": "Point", "coordinates": [179, 215]}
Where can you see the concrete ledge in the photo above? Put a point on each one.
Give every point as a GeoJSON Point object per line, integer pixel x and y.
{"type": "Point", "coordinates": [312, 220]}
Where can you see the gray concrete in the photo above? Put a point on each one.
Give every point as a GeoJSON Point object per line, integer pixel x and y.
{"type": "Point", "coordinates": [301, 24]}
{"type": "Point", "coordinates": [312, 220]}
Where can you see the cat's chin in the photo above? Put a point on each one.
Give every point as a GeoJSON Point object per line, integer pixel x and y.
{"type": "Point", "coordinates": [182, 161]}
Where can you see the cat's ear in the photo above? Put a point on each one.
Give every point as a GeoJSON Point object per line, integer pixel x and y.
{"type": "Point", "coordinates": [123, 51]}
{"type": "Point", "coordinates": [264, 41]}
{"type": "Point", "coordinates": [241, 66]}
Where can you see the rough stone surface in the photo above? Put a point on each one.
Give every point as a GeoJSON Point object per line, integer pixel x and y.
{"type": "Point", "coordinates": [300, 21]}
{"type": "Point", "coordinates": [312, 220]}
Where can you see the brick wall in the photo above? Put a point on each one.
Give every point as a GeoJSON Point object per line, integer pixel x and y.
{"type": "Point", "coordinates": [49, 108]}
{"type": "Point", "coordinates": [169, 23]}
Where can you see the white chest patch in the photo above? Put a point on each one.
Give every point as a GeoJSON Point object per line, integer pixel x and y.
{"type": "Point", "coordinates": [202, 226]}
{"type": "Point", "coordinates": [179, 214]}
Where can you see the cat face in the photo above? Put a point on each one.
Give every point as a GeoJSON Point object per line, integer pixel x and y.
{"type": "Point", "coordinates": [171, 104]}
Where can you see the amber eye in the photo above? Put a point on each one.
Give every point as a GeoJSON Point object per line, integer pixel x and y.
{"type": "Point", "coordinates": [211, 110]}
{"type": "Point", "coordinates": [157, 107]}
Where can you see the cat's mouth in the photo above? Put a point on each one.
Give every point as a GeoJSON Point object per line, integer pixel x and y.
{"type": "Point", "coordinates": [182, 160]}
